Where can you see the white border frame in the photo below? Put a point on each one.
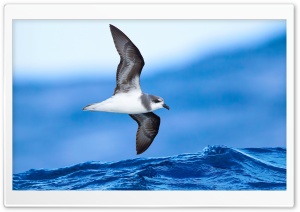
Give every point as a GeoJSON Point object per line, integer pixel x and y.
{"type": "Point", "coordinates": [147, 198]}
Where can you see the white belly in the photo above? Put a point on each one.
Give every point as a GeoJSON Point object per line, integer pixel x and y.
{"type": "Point", "coordinates": [129, 103]}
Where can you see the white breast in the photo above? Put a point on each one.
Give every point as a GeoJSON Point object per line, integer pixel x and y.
{"type": "Point", "coordinates": [129, 103]}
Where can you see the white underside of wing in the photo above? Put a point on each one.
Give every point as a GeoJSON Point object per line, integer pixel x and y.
{"type": "Point", "coordinates": [129, 103]}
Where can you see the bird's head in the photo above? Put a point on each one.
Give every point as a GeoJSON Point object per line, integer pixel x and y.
{"type": "Point", "coordinates": [158, 102]}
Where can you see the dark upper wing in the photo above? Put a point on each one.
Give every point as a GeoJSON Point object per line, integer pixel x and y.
{"type": "Point", "coordinates": [131, 64]}
{"type": "Point", "coordinates": [148, 129]}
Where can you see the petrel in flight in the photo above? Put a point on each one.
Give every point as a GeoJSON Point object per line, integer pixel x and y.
{"type": "Point", "coordinates": [128, 97]}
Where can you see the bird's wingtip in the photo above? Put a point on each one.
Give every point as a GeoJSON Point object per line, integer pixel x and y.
{"type": "Point", "coordinates": [138, 153]}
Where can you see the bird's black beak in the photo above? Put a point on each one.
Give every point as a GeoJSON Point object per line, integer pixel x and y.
{"type": "Point", "coordinates": [166, 106]}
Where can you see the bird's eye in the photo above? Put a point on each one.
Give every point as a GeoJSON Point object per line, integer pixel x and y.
{"type": "Point", "coordinates": [157, 100]}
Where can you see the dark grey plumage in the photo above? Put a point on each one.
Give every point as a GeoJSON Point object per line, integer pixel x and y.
{"type": "Point", "coordinates": [148, 128]}
{"type": "Point", "coordinates": [146, 102]}
{"type": "Point", "coordinates": [131, 62]}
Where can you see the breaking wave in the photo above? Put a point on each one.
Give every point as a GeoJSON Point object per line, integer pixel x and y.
{"type": "Point", "coordinates": [214, 168]}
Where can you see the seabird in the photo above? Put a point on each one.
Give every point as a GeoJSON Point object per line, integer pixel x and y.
{"type": "Point", "coordinates": [128, 97]}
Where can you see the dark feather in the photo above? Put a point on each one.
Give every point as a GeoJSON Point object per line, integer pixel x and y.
{"type": "Point", "coordinates": [148, 128]}
{"type": "Point", "coordinates": [131, 62]}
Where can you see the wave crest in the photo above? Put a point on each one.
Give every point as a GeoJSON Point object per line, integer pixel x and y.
{"type": "Point", "coordinates": [214, 168]}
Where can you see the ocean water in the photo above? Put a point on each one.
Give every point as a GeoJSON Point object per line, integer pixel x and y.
{"type": "Point", "coordinates": [213, 168]}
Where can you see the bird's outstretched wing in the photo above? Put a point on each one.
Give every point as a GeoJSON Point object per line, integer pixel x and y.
{"type": "Point", "coordinates": [131, 63]}
{"type": "Point", "coordinates": [147, 130]}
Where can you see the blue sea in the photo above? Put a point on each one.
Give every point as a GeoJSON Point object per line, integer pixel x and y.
{"type": "Point", "coordinates": [213, 168]}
